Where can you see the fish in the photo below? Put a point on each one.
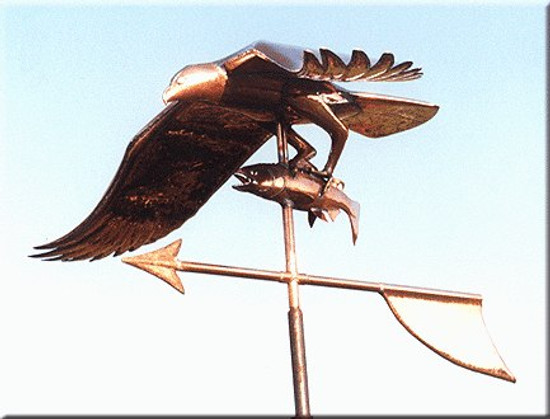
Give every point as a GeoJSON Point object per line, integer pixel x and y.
{"type": "Point", "coordinates": [306, 191]}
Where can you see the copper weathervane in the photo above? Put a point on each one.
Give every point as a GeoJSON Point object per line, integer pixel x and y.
{"type": "Point", "coordinates": [217, 115]}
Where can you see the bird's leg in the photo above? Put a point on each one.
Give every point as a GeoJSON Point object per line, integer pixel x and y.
{"type": "Point", "coordinates": [305, 152]}
{"type": "Point", "coordinates": [317, 111]}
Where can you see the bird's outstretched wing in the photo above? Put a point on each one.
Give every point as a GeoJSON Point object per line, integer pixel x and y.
{"type": "Point", "coordinates": [325, 65]}
{"type": "Point", "coordinates": [169, 171]}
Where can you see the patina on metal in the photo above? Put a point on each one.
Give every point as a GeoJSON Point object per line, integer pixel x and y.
{"type": "Point", "coordinates": [218, 115]}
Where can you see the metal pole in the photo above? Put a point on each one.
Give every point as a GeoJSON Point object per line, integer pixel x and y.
{"type": "Point", "coordinates": [295, 317]}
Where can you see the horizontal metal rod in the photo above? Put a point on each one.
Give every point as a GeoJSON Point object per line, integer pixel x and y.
{"type": "Point", "coordinates": [305, 279]}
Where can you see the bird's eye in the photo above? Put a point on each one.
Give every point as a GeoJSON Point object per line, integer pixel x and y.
{"type": "Point", "coordinates": [180, 80]}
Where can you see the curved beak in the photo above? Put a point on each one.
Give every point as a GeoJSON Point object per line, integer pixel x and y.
{"type": "Point", "coordinates": [167, 95]}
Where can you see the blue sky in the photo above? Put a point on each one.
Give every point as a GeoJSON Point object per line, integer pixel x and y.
{"type": "Point", "coordinates": [456, 204]}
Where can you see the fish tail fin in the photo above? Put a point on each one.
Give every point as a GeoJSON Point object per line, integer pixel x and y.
{"type": "Point", "coordinates": [315, 213]}
{"type": "Point", "coordinates": [333, 213]}
{"type": "Point", "coordinates": [353, 214]}
{"type": "Point", "coordinates": [311, 217]}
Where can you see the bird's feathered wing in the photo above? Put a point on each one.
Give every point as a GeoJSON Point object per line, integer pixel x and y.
{"type": "Point", "coordinates": [372, 115]}
{"type": "Point", "coordinates": [324, 65]}
{"type": "Point", "coordinates": [169, 171]}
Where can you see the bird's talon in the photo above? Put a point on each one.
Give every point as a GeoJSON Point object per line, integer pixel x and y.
{"type": "Point", "coordinates": [333, 182]}
{"type": "Point", "coordinates": [337, 183]}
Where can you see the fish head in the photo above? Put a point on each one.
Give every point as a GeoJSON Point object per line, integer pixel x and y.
{"type": "Point", "coordinates": [265, 180]}
{"type": "Point", "coordinates": [197, 82]}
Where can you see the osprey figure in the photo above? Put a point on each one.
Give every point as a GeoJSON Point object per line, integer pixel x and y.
{"type": "Point", "coordinates": [217, 115]}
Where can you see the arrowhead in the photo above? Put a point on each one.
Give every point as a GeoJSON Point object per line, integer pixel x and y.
{"type": "Point", "coordinates": [161, 263]}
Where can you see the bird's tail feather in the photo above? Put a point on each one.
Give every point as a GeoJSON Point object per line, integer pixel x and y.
{"type": "Point", "coordinates": [381, 115]}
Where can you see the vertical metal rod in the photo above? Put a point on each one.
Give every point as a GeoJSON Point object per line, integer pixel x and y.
{"type": "Point", "coordinates": [295, 317]}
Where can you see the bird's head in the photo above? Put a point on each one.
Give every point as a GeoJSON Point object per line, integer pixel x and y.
{"type": "Point", "coordinates": [196, 82]}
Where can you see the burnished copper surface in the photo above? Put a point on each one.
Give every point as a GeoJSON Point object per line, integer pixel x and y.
{"type": "Point", "coordinates": [170, 169]}
{"type": "Point", "coordinates": [218, 115]}
{"type": "Point", "coordinates": [295, 316]}
{"type": "Point", "coordinates": [448, 322]}
{"type": "Point", "coordinates": [452, 327]}
{"type": "Point", "coordinates": [324, 64]}
{"type": "Point", "coordinates": [307, 192]}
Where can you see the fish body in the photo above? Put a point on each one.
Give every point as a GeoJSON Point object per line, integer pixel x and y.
{"type": "Point", "coordinates": [307, 192]}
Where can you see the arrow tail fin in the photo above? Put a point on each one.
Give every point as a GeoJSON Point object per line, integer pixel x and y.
{"type": "Point", "coordinates": [453, 327]}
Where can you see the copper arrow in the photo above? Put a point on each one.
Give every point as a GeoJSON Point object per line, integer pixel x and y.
{"type": "Point", "coordinates": [449, 323]}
